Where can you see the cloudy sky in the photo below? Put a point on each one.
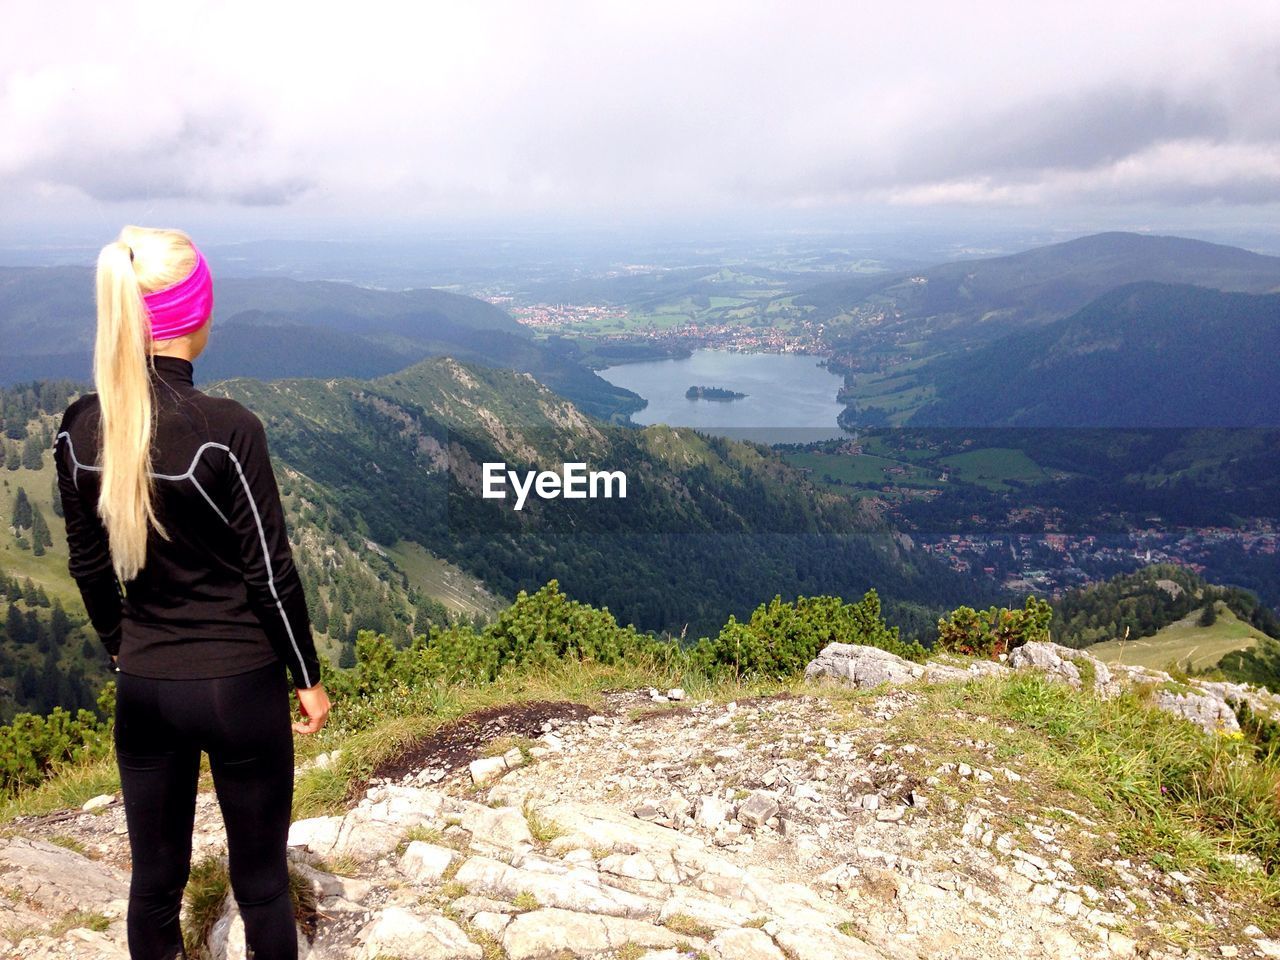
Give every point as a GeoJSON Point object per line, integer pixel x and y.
{"type": "Point", "coordinates": [259, 112]}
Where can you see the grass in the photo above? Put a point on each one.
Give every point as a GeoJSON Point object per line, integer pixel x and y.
{"type": "Point", "coordinates": [458, 591]}
{"type": "Point", "coordinates": [542, 829]}
{"type": "Point", "coordinates": [71, 843]}
{"type": "Point", "coordinates": [993, 466]}
{"type": "Point", "coordinates": [1166, 791]}
{"type": "Point", "coordinates": [98, 922]}
{"type": "Point", "coordinates": [863, 469]}
{"type": "Point", "coordinates": [423, 833]}
{"type": "Point", "coordinates": [69, 786]}
{"type": "Point", "coordinates": [1184, 642]}
{"type": "Point", "coordinates": [206, 894]}
{"type": "Point", "coordinates": [687, 926]}
{"type": "Point", "coordinates": [498, 747]}
{"type": "Point", "coordinates": [205, 898]}
{"type": "Point", "coordinates": [50, 570]}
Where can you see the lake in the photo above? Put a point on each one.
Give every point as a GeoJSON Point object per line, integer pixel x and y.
{"type": "Point", "coordinates": [789, 398]}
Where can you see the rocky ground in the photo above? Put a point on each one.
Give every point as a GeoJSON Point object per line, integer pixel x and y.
{"type": "Point", "coordinates": [839, 823]}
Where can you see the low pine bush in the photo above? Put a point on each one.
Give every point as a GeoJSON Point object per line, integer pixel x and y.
{"type": "Point", "coordinates": [782, 637]}
{"type": "Point", "coordinates": [995, 631]}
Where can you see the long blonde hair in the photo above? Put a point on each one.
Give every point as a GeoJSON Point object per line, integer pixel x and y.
{"type": "Point", "coordinates": [141, 260]}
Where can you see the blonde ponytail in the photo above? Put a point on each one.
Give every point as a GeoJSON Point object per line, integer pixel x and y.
{"type": "Point", "coordinates": [140, 261]}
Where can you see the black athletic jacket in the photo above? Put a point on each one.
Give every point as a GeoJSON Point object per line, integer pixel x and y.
{"type": "Point", "coordinates": [221, 596]}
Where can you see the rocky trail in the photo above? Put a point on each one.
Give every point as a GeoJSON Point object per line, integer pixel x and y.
{"type": "Point", "coordinates": [841, 822]}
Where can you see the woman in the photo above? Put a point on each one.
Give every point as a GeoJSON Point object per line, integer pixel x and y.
{"type": "Point", "coordinates": [178, 544]}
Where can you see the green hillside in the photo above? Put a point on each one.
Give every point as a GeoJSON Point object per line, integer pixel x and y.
{"type": "Point", "coordinates": [1146, 355]}
{"type": "Point", "coordinates": [381, 485]}
{"type": "Point", "coordinates": [351, 582]}
{"type": "Point", "coordinates": [1159, 616]}
{"type": "Point", "coordinates": [1184, 642]}
{"type": "Point", "coordinates": [706, 520]}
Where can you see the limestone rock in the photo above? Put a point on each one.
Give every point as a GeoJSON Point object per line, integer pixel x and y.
{"type": "Point", "coordinates": [396, 932]}
{"type": "Point", "coordinates": [861, 666]}
{"type": "Point", "coordinates": [57, 879]}
{"type": "Point", "coordinates": [745, 943]}
{"type": "Point", "coordinates": [819, 943]}
{"type": "Point", "coordinates": [487, 768]}
{"type": "Point", "coordinates": [540, 934]}
{"type": "Point", "coordinates": [425, 862]}
{"type": "Point", "coordinates": [756, 810]}
{"type": "Point", "coordinates": [710, 812]}
{"type": "Point", "coordinates": [1062, 663]}
{"type": "Point", "coordinates": [1212, 713]}
{"type": "Point", "coordinates": [575, 889]}
{"type": "Point", "coordinates": [500, 827]}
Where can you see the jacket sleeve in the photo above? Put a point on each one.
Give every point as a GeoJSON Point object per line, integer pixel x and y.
{"type": "Point", "coordinates": [256, 516]}
{"type": "Point", "coordinates": [89, 559]}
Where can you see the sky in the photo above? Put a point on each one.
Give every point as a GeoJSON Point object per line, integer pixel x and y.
{"type": "Point", "coordinates": [261, 116]}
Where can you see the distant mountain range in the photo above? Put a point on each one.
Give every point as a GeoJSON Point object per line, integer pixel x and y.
{"type": "Point", "coordinates": [275, 327]}
{"type": "Point", "coordinates": [968, 301]}
{"type": "Point", "coordinates": [1111, 330]}
{"type": "Point", "coordinates": [1142, 355]}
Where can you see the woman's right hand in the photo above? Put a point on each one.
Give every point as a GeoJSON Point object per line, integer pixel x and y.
{"type": "Point", "coordinates": [315, 707]}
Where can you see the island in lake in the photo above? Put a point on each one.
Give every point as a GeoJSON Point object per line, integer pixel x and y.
{"type": "Point", "coordinates": [712, 393]}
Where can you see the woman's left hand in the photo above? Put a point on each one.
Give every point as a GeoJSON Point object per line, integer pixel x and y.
{"type": "Point", "coordinates": [315, 706]}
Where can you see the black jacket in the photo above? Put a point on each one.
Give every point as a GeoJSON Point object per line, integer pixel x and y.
{"type": "Point", "coordinates": [222, 595]}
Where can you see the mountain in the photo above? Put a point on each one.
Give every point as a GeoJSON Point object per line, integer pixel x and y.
{"type": "Point", "coordinates": [276, 327]}
{"type": "Point", "coordinates": [1158, 616]}
{"type": "Point", "coordinates": [704, 523]}
{"type": "Point", "coordinates": [1143, 355]}
{"type": "Point", "coordinates": [969, 300]}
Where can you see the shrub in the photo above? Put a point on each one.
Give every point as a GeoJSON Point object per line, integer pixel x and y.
{"type": "Point", "coordinates": [781, 638]}
{"type": "Point", "coordinates": [536, 630]}
{"type": "Point", "coordinates": [998, 630]}
{"type": "Point", "coordinates": [32, 746]}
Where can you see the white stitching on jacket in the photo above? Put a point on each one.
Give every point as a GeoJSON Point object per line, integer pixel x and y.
{"type": "Point", "coordinates": [262, 535]}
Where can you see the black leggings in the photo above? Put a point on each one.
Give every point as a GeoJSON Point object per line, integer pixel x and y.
{"type": "Point", "coordinates": [243, 722]}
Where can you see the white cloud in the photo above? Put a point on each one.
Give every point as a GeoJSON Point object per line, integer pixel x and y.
{"type": "Point", "coordinates": [420, 110]}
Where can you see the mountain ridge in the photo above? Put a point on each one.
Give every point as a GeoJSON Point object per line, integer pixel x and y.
{"type": "Point", "coordinates": [977, 299]}
{"type": "Point", "coordinates": [276, 326]}
{"type": "Point", "coordinates": [1142, 355]}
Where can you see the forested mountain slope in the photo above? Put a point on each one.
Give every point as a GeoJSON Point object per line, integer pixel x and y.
{"type": "Point", "coordinates": [1144, 355]}
{"type": "Point", "coordinates": [706, 525]}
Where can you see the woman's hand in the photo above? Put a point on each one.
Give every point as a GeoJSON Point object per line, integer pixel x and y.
{"type": "Point", "coordinates": [315, 707]}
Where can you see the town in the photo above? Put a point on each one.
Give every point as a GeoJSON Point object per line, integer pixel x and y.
{"type": "Point", "coordinates": [1052, 563]}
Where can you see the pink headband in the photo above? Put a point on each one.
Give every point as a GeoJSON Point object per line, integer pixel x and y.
{"type": "Point", "coordinates": [183, 307]}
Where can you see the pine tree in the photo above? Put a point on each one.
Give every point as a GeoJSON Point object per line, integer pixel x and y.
{"type": "Point", "coordinates": [59, 623]}
{"type": "Point", "coordinates": [16, 625]}
{"type": "Point", "coordinates": [32, 453]}
{"type": "Point", "coordinates": [1208, 615]}
{"type": "Point", "coordinates": [21, 510]}
{"type": "Point", "coordinates": [40, 535]}
{"type": "Point", "coordinates": [13, 459]}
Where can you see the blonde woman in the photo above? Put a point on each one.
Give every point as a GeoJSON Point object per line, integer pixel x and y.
{"type": "Point", "coordinates": [178, 544]}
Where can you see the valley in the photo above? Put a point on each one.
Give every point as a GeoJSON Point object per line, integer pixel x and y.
{"type": "Point", "coordinates": [936, 430]}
